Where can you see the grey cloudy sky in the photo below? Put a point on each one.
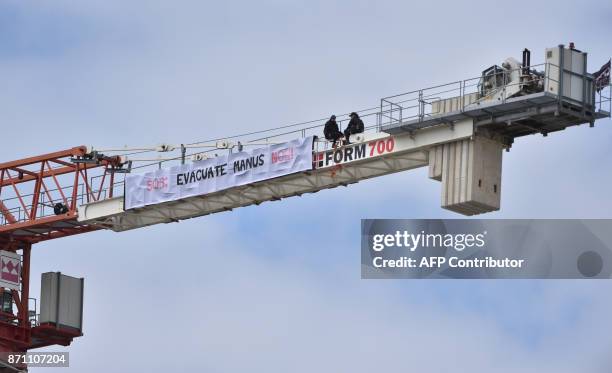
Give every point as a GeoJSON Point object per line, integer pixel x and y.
{"type": "Point", "coordinates": [276, 288]}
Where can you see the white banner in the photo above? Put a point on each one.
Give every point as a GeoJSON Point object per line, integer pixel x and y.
{"type": "Point", "coordinates": [215, 174]}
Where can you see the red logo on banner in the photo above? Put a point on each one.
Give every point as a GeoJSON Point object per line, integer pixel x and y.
{"type": "Point", "coordinates": [282, 155]}
{"type": "Point", "coordinates": [10, 269]}
{"type": "Point", "coordinates": [157, 183]}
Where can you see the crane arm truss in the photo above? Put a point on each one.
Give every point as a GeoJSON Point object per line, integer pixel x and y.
{"type": "Point", "coordinates": [39, 195]}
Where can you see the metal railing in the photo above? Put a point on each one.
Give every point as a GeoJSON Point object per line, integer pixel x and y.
{"type": "Point", "coordinates": [21, 211]}
{"type": "Point", "coordinates": [417, 106]}
{"type": "Point", "coordinates": [46, 206]}
{"type": "Point", "coordinates": [603, 100]}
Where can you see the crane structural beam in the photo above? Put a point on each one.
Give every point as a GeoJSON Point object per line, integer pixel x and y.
{"type": "Point", "coordinates": [374, 155]}
{"type": "Point", "coordinates": [45, 192]}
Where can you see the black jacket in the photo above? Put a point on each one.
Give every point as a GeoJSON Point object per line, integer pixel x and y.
{"type": "Point", "coordinates": [355, 125]}
{"type": "Point", "coordinates": [330, 129]}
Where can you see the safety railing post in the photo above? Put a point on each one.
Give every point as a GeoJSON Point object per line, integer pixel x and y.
{"type": "Point", "coordinates": [462, 96]}
{"type": "Point", "coordinates": [546, 81]}
{"type": "Point", "coordinates": [561, 75]}
{"type": "Point", "coordinates": [610, 100]}
{"type": "Point", "coordinates": [381, 111]}
{"type": "Point", "coordinates": [421, 106]}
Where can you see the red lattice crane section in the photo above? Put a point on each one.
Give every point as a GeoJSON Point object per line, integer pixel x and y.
{"type": "Point", "coordinates": [38, 201]}
{"type": "Point", "coordinates": [39, 195]}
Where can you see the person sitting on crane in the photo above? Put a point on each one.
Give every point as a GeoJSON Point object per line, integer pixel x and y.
{"type": "Point", "coordinates": [355, 126]}
{"type": "Point", "coordinates": [331, 131]}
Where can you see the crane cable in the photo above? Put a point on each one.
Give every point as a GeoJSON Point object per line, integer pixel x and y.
{"type": "Point", "coordinates": [246, 134]}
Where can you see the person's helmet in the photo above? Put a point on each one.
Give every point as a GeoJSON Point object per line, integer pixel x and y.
{"type": "Point", "coordinates": [333, 117]}
{"type": "Point", "coordinates": [353, 114]}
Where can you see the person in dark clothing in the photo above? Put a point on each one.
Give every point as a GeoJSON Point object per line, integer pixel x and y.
{"type": "Point", "coordinates": [355, 126]}
{"type": "Point", "coordinates": [331, 131]}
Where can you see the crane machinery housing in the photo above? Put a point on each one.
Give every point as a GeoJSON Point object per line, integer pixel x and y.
{"type": "Point", "coordinates": [458, 130]}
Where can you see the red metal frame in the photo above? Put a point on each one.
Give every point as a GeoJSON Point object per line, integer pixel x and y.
{"type": "Point", "coordinates": [54, 178]}
{"type": "Point", "coordinates": [15, 330]}
{"type": "Point", "coordinates": [30, 178]}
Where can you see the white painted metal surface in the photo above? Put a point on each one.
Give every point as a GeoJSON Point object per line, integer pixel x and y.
{"type": "Point", "coordinates": [572, 82]}
{"type": "Point", "coordinates": [470, 172]}
{"type": "Point", "coordinates": [61, 300]}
